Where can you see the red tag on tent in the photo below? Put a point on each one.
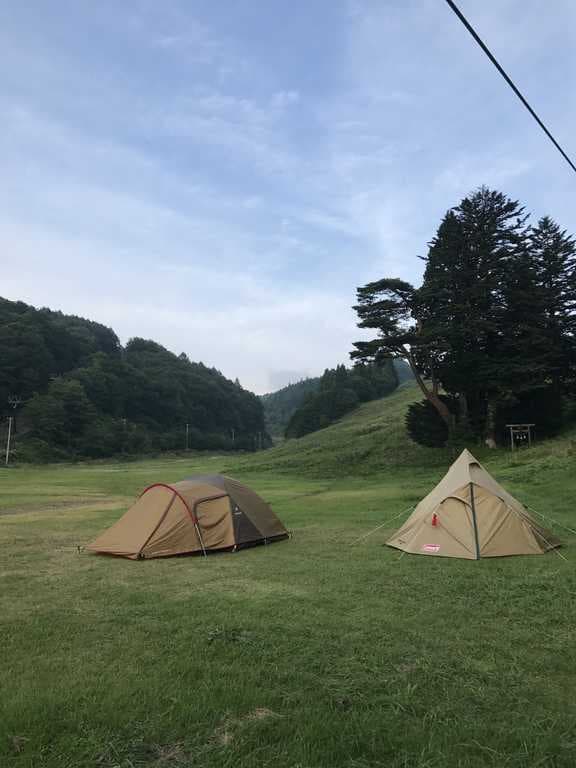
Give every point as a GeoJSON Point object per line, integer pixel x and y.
{"type": "Point", "coordinates": [434, 519]}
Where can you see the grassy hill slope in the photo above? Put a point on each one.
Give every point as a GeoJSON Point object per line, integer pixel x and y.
{"type": "Point", "coordinates": [373, 439]}
{"type": "Point", "coordinates": [279, 406]}
{"type": "Point", "coordinates": [369, 439]}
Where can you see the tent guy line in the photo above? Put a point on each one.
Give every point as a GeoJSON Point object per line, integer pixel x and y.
{"type": "Point", "coordinates": [386, 522]}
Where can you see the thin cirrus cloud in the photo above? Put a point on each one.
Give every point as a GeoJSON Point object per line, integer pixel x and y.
{"type": "Point", "coordinates": [221, 182]}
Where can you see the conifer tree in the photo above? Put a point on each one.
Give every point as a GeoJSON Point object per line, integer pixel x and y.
{"type": "Point", "coordinates": [494, 320]}
{"type": "Point", "coordinates": [553, 254]}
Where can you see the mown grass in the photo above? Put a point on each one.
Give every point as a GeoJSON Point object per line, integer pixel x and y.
{"type": "Point", "coordinates": [317, 652]}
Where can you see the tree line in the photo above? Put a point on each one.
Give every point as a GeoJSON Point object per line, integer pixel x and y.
{"type": "Point", "coordinates": [85, 395]}
{"type": "Point", "coordinates": [490, 335]}
{"type": "Point", "coordinates": [280, 405]}
{"type": "Point", "coordinates": [338, 392]}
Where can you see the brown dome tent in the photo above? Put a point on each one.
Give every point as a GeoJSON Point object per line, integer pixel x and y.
{"type": "Point", "coordinates": [470, 515]}
{"type": "Point", "coordinates": [199, 514]}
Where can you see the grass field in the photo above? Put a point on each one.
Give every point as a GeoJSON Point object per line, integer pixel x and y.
{"type": "Point", "coordinates": [311, 653]}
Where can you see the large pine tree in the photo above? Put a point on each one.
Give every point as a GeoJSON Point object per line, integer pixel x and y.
{"type": "Point", "coordinates": [493, 320]}
{"type": "Point", "coordinates": [553, 254]}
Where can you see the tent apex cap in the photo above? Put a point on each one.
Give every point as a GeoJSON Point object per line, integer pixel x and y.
{"type": "Point", "coordinates": [470, 458]}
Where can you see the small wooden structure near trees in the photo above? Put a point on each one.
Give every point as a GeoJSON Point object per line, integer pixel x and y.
{"type": "Point", "coordinates": [520, 435]}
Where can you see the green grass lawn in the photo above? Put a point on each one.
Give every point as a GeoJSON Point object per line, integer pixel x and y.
{"type": "Point", "coordinates": [310, 653]}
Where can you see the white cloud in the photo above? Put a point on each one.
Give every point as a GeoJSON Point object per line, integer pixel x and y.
{"type": "Point", "coordinates": [241, 323]}
{"type": "Point", "coordinates": [283, 99]}
{"type": "Point", "coordinates": [461, 177]}
{"type": "Point", "coordinates": [198, 191]}
{"type": "Point", "coordinates": [167, 41]}
{"type": "Point", "coordinates": [235, 123]}
{"type": "Point", "coordinates": [179, 34]}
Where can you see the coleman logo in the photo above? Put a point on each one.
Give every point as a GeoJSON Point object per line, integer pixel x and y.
{"type": "Point", "coordinates": [431, 548]}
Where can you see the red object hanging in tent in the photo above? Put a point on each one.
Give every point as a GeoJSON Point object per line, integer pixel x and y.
{"type": "Point", "coordinates": [434, 519]}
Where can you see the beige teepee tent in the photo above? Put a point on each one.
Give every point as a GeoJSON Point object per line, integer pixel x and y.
{"type": "Point", "coordinates": [199, 514]}
{"type": "Point", "coordinates": [470, 515]}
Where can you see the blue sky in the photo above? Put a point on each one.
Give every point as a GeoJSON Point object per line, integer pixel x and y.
{"type": "Point", "coordinates": [220, 176]}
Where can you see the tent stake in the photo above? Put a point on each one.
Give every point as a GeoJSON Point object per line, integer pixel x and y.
{"type": "Point", "coordinates": [554, 549]}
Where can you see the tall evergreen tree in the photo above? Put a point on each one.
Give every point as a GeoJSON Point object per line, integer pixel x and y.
{"type": "Point", "coordinates": [481, 325]}
{"type": "Point", "coordinates": [553, 254]}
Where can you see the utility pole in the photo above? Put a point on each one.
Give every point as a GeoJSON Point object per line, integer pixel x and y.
{"type": "Point", "coordinates": [13, 401]}
{"type": "Point", "coordinates": [233, 433]}
{"type": "Point", "coordinates": [124, 435]}
{"type": "Point", "coordinates": [187, 433]}
{"type": "Point", "coordinates": [8, 440]}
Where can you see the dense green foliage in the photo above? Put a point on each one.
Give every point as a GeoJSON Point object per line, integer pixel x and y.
{"type": "Point", "coordinates": [540, 407]}
{"type": "Point", "coordinates": [87, 396]}
{"type": "Point", "coordinates": [493, 324]}
{"type": "Point", "coordinates": [39, 345]}
{"type": "Point", "coordinates": [340, 391]}
{"type": "Point", "coordinates": [424, 425]}
{"type": "Point", "coordinates": [280, 405]}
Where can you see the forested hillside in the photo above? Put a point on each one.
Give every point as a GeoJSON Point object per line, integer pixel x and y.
{"type": "Point", "coordinates": [340, 390]}
{"type": "Point", "coordinates": [39, 345]}
{"type": "Point", "coordinates": [82, 394]}
{"type": "Point", "coordinates": [279, 406]}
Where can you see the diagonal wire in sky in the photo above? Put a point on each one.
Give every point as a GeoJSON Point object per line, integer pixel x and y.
{"type": "Point", "coordinates": [506, 77]}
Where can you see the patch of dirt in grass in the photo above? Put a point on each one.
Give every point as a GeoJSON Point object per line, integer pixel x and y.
{"type": "Point", "coordinates": [170, 753]}
{"type": "Point", "coordinates": [230, 635]}
{"type": "Point", "coordinates": [18, 743]}
{"type": "Point", "coordinates": [225, 733]}
{"type": "Point", "coordinates": [260, 713]}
